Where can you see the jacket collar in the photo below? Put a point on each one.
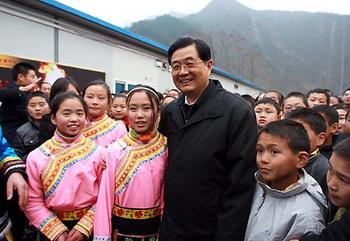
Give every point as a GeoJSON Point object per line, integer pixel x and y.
{"type": "Point", "coordinates": [298, 188]}
{"type": "Point", "coordinates": [208, 105]}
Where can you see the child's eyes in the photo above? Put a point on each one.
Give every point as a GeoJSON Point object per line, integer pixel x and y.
{"type": "Point", "coordinates": [344, 180]}
{"type": "Point", "coordinates": [274, 151]}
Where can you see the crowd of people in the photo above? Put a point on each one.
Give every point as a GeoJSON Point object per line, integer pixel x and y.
{"type": "Point", "coordinates": [195, 163]}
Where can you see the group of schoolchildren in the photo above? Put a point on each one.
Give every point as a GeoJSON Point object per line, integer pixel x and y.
{"type": "Point", "coordinates": [95, 165]}
{"type": "Point", "coordinates": [83, 165]}
{"type": "Point", "coordinates": [303, 157]}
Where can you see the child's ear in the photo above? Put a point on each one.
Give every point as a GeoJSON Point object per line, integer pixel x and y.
{"type": "Point", "coordinates": [303, 158]}
{"type": "Point", "coordinates": [53, 120]}
{"type": "Point", "coordinates": [321, 138]}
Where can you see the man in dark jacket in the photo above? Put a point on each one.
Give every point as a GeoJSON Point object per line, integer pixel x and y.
{"type": "Point", "coordinates": [212, 136]}
{"type": "Point", "coordinates": [13, 112]}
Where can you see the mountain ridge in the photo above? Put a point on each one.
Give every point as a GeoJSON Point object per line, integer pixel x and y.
{"type": "Point", "coordinates": [284, 50]}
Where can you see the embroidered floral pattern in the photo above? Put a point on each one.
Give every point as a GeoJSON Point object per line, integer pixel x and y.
{"type": "Point", "coordinates": [85, 223]}
{"type": "Point", "coordinates": [63, 157]}
{"type": "Point", "coordinates": [132, 213]}
{"type": "Point", "coordinates": [101, 128]}
{"type": "Point", "coordinates": [136, 157]}
{"type": "Point", "coordinates": [51, 227]}
{"type": "Point", "coordinates": [72, 215]}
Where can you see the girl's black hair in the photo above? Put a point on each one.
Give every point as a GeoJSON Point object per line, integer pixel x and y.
{"type": "Point", "coordinates": [119, 96]}
{"type": "Point", "coordinates": [101, 83]}
{"type": "Point", "coordinates": [152, 95]}
{"type": "Point", "coordinates": [61, 85]}
{"type": "Point", "coordinates": [59, 98]}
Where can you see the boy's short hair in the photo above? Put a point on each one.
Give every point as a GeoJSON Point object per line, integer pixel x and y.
{"type": "Point", "coordinates": [342, 149]}
{"type": "Point", "coordinates": [330, 113]}
{"type": "Point", "coordinates": [315, 120]}
{"type": "Point", "coordinates": [279, 94]}
{"type": "Point", "coordinates": [347, 114]}
{"type": "Point", "coordinates": [298, 95]}
{"type": "Point", "coordinates": [341, 106]}
{"type": "Point", "coordinates": [21, 68]}
{"type": "Point", "coordinates": [37, 94]}
{"type": "Point", "coordinates": [319, 91]}
{"type": "Point", "coordinates": [340, 100]}
{"type": "Point", "coordinates": [292, 131]}
{"type": "Point", "coordinates": [345, 90]}
{"type": "Point", "coordinates": [270, 101]}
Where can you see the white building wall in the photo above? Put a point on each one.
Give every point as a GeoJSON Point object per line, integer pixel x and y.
{"type": "Point", "coordinates": [133, 67]}
{"type": "Point", "coordinates": [24, 37]}
{"type": "Point", "coordinates": [235, 86]}
{"type": "Point", "coordinates": [27, 39]}
{"type": "Point", "coordinates": [77, 51]}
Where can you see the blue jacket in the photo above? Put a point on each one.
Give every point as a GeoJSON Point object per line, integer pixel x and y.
{"type": "Point", "coordinates": [9, 163]}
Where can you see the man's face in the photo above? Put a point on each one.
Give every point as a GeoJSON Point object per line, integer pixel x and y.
{"type": "Point", "coordinates": [190, 74]}
{"type": "Point", "coordinates": [27, 79]}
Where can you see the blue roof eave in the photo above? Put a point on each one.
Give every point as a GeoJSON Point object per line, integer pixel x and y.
{"type": "Point", "coordinates": [105, 24]}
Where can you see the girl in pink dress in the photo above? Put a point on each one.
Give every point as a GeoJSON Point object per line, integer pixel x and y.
{"type": "Point", "coordinates": [101, 128]}
{"type": "Point", "coordinates": [64, 175]}
{"type": "Point", "coordinates": [130, 200]}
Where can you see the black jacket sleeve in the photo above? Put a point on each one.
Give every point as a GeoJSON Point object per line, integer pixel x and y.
{"type": "Point", "coordinates": [9, 92]}
{"type": "Point", "coordinates": [19, 146]}
{"type": "Point", "coordinates": [241, 156]}
{"type": "Point", "coordinates": [335, 231]}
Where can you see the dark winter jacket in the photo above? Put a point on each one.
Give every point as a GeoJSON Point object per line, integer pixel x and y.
{"type": "Point", "coordinates": [317, 167]}
{"type": "Point", "coordinates": [335, 231]}
{"type": "Point", "coordinates": [209, 183]}
{"type": "Point", "coordinates": [26, 139]}
{"type": "Point", "coordinates": [13, 112]}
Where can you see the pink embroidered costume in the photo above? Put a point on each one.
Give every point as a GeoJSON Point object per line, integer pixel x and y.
{"type": "Point", "coordinates": [105, 131]}
{"type": "Point", "coordinates": [64, 177]}
{"type": "Point", "coordinates": [130, 200]}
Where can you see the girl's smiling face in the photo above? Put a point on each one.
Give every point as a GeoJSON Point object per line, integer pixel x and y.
{"type": "Point", "coordinates": [70, 117]}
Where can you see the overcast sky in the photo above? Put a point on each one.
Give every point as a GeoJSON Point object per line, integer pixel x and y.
{"type": "Point", "coordinates": [123, 13]}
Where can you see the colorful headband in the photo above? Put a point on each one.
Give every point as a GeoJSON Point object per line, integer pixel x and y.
{"type": "Point", "coordinates": [144, 88]}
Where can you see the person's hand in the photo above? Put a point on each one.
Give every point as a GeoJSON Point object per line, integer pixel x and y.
{"type": "Point", "coordinates": [75, 235]}
{"type": "Point", "coordinates": [17, 182]}
{"type": "Point", "coordinates": [31, 87]}
{"type": "Point", "coordinates": [62, 237]}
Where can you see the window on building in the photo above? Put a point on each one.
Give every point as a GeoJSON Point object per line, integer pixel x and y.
{"type": "Point", "coordinates": [130, 87]}
{"type": "Point", "coordinates": [119, 87]}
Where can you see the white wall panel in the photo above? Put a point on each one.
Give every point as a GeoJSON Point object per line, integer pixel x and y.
{"type": "Point", "coordinates": [81, 52]}
{"type": "Point", "coordinates": [27, 39]}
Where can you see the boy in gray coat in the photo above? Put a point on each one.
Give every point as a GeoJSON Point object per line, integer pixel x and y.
{"type": "Point", "coordinates": [288, 202]}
